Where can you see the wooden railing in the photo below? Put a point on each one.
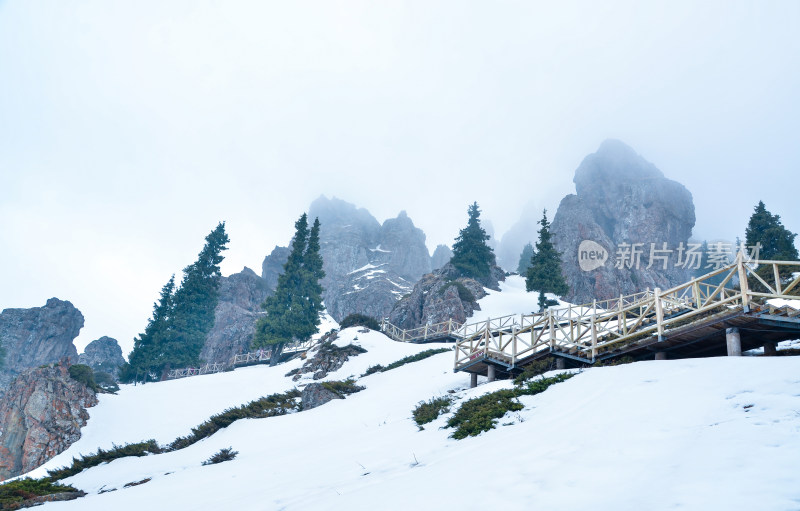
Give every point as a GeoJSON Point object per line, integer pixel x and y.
{"type": "Point", "coordinates": [195, 371]}
{"type": "Point", "coordinates": [264, 355]}
{"type": "Point", "coordinates": [586, 330]}
{"type": "Point", "coordinates": [441, 330]}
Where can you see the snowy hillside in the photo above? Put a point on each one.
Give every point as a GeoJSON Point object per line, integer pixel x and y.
{"type": "Point", "coordinates": [721, 433]}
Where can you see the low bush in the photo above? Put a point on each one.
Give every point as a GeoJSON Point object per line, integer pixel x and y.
{"type": "Point", "coordinates": [105, 382]}
{"type": "Point", "coordinates": [102, 456]}
{"type": "Point", "coordinates": [360, 320]}
{"type": "Point", "coordinates": [343, 388]}
{"type": "Point", "coordinates": [83, 374]}
{"type": "Point", "coordinates": [482, 413]}
{"type": "Point", "coordinates": [429, 411]}
{"type": "Point", "coordinates": [463, 292]}
{"type": "Point", "coordinates": [15, 492]}
{"type": "Point", "coordinates": [422, 355]}
{"type": "Point", "coordinates": [226, 454]}
{"type": "Point", "coordinates": [535, 368]}
{"type": "Point", "coordinates": [270, 406]}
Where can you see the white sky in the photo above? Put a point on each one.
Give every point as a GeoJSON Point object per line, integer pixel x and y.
{"type": "Point", "coordinates": [128, 129]}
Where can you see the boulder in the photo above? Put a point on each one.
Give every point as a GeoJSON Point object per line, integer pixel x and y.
{"type": "Point", "coordinates": [621, 199]}
{"type": "Point", "coordinates": [38, 336]}
{"type": "Point", "coordinates": [315, 394]}
{"type": "Point", "coordinates": [41, 414]}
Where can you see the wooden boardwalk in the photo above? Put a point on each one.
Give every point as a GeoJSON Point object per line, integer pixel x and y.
{"type": "Point", "coordinates": [692, 319]}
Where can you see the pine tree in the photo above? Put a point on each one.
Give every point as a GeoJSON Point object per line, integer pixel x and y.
{"type": "Point", "coordinates": [182, 318]}
{"type": "Point", "coordinates": [544, 274]}
{"type": "Point", "coordinates": [194, 304]}
{"type": "Point", "coordinates": [293, 310]}
{"type": "Point", "coordinates": [143, 360]}
{"type": "Point", "coordinates": [471, 255]}
{"type": "Point", "coordinates": [525, 259]}
{"type": "Point", "coordinates": [777, 244]}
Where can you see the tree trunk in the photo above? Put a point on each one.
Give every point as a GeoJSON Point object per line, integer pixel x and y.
{"type": "Point", "coordinates": [276, 354]}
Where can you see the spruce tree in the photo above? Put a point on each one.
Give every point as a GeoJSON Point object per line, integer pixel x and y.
{"type": "Point", "coordinates": [525, 259]}
{"type": "Point", "coordinates": [194, 304]}
{"type": "Point", "coordinates": [544, 274]}
{"type": "Point", "coordinates": [777, 244]}
{"type": "Point", "coordinates": [144, 359]}
{"type": "Point", "coordinates": [293, 310]}
{"type": "Point", "coordinates": [471, 255]}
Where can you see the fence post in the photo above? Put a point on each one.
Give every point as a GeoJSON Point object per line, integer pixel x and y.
{"type": "Point", "coordinates": [659, 314]}
{"type": "Point", "coordinates": [777, 278]}
{"type": "Point", "coordinates": [514, 346]}
{"type": "Point", "coordinates": [743, 284]}
{"type": "Point", "coordinates": [552, 329]}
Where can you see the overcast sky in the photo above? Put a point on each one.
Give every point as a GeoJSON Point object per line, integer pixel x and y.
{"type": "Point", "coordinates": [129, 129]}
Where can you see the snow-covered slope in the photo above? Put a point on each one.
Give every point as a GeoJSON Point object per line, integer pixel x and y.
{"type": "Point", "coordinates": [720, 433]}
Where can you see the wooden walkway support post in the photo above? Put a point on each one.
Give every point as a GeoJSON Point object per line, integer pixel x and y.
{"type": "Point", "coordinates": [734, 341]}
{"type": "Point", "coordinates": [659, 314]}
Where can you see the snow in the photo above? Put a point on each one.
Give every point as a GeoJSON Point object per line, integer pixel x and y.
{"type": "Point", "coordinates": [366, 267]}
{"type": "Point", "coordinates": [379, 249]}
{"type": "Point", "coordinates": [696, 434]}
{"type": "Point", "coordinates": [676, 434]}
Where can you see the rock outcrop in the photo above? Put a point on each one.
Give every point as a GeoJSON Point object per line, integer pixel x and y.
{"type": "Point", "coordinates": [368, 266]}
{"type": "Point", "coordinates": [327, 359]}
{"type": "Point", "coordinates": [238, 309]}
{"type": "Point", "coordinates": [103, 355]}
{"type": "Point", "coordinates": [441, 296]}
{"type": "Point", "coordinates": [441, 256]}
{"type": "Point", "coordinates": [37, 336]}
{"type": "Point", "coordinates": [623, 202]}
{"type": "Point", "coordinates": [41, 413]}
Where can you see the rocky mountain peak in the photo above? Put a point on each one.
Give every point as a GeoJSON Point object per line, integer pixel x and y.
{"type": "Point", "coordinates": [103, 355]}
{"type": "Point", "coordinates": [622, 200]}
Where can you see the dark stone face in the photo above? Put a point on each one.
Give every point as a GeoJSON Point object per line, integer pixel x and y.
{"type": "Point", "coordinates": [38, 336]}
{"type": "Point", "coordinates": [103, 355]}
{"type": "Point", "coordinates": [621, 199]}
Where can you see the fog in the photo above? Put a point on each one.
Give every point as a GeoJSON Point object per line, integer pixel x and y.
{"type": "Point", "coordinates": [129, 129]}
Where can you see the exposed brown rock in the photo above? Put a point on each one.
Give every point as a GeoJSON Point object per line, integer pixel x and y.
{"type": "Point", "coordinates": [41, 414]}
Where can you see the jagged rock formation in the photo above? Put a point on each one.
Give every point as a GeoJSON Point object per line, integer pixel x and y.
{"type": "Point", "coordinates": [41, 414]}
{"type": "Point", "coordinates": [441, 296]}
{"type": "Point", "coordinates": [368, 266]}
{"type": "Point", "coordinates": [103, 355]}
{"type": "Point", "coordinates": [621, 199]}
{"type": "Point", "coordinates": [239, 307]}
{"type": "Point", "coordinates": [441, 256]}
{"type": "Point", "coordinates": [272, 267]}
{"type": "Point", "coordinates": [37, 336]}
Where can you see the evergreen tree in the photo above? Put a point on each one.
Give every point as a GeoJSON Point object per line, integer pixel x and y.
{"type": "Point", "coordinates": [471, 255]}
{"type": "Point", "coordinates": [777, 244]}
{"type": "Point", "coordinates": [293, 310]}
{"type": "Point", "coordinates": [182, 318]}
{"type": "Point", "coordinates": [544, 274]}
{"type": "Point", "coordinates": [143, 360]}
{"type": "Point", "coordinates": [525, 259]}
{"type": "Point", "coordinates": [193, 305]}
